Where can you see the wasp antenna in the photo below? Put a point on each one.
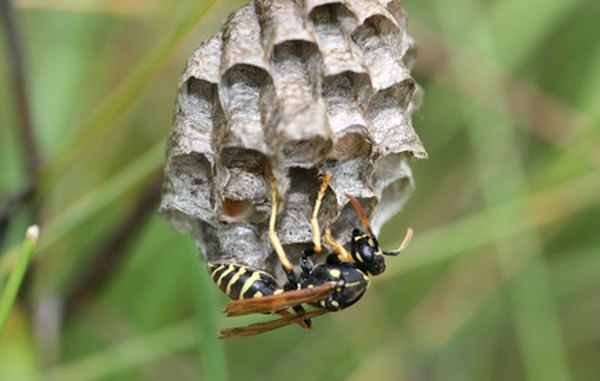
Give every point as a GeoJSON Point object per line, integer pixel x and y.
{"type": "Point", "coordinates": [361, 214]}
{"type": "Point", "coordinates": [403, 245]}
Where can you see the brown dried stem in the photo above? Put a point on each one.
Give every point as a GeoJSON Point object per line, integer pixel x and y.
{"type": "Point", "coordinates": [31, 149]}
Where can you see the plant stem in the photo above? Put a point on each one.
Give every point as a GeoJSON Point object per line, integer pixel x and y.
{"type": "Point", "coordinates": [16, 276]}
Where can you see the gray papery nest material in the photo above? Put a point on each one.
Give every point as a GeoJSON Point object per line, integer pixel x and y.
{"type": "Point", "coordinates": [304, 86]}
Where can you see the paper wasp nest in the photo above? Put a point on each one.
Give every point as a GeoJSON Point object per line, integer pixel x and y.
{"type": "Point", "coordinates": [305, 86]}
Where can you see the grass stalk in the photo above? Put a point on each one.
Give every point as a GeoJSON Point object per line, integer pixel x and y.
{"type": "Point", "coordinates": [210, 349]}
{"type": "Point", "coordinates": [16, 276]}
{"type": "Point", "coordinates": [127, 355]}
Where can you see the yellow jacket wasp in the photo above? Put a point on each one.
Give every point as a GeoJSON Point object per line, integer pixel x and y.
{"type": "Point", "coordinates": [337, 283]}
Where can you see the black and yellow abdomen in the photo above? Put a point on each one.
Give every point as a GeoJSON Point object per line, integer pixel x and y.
{"type": "Point", "coordinates": [241, 282]}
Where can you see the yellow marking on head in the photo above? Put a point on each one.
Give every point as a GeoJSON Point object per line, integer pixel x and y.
{"type": "Point", "coordinates": [335, 303]}
{"type": "Point", "coordinates": [234, 279]}
{"type": "Point", "coordinates": [378, 252]}
{"type": "Point", "coordinates": [229, 269]}
{"type": "Point", "coordinates": [311, 286]}
{"type": "Point", "coordinates": [335, 273]}
{"type": "Point", "coordinates": [277, 292]}
{"type": "Point", "coordinates": [358, 237]}
{"type": "Point", "coordinates": [371, 242]}
{"type": "Point", "coordinates": [352, 284]}
{"type": "Point", "coordinates": [248, 283]}
{"type": "Point", "coordinates": [257, 294]}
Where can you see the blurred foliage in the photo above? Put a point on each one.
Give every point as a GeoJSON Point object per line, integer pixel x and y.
{"type": "Point", "coordinates": [499, 283]}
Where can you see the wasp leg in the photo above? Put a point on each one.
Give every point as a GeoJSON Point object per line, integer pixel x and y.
{"type": "Point", "coordinates": [300, 311]}
{"type": "Point", "coordinates": [306, 264]}
{"type": "Point", "coordinates": [342, 253]}
{"type": "Point", "coordinates": [293, 278]}
{"type": "Point", "coordinates": [285, 262]}
{"type": "Point", "coordinates": [294, 284]}
{"type": "Point", "coordinates": [314, 220]}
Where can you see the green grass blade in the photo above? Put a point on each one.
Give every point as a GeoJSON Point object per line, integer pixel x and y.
{"type": "Point", "coordinates": [501, 176]}
{"type": "Point", "coordinates": [575, 195]}
{"type": "Point", "coordinates": [88, 205]}
{"type": "Point", "coordinates": [533, 305]}
{"type": "Point", "coordinates": [79, 211]}
{"type": "Point", "coordinates": [16, 276]}
{"type": "Point", "coordinates": [131, 354]}
{"type": "Point", "coordinates": [527, 33]}
{"type": "Point", "coordinates": [211, 349]}
{"type": "Point", "coordinates": [122, 99]}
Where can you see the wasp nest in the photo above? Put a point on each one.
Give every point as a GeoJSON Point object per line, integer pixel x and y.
{"type": "Point", "coordinates": [303, 87]}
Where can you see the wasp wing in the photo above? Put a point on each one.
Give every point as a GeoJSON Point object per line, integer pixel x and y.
{"type": "Point", "coordinates": [258, 328]}
{"type": "Point", "coordinates": [278, 302]}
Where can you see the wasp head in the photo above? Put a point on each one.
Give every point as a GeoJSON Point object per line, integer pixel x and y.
{"type": "Point", "coordinates": [365, 251]}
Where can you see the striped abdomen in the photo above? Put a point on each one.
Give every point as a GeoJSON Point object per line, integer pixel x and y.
{"type": "Point", "coordinates": [240, 282]}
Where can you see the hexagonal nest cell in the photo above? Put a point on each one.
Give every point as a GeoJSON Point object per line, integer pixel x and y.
{"type": "Point", "coordinates": [302, 87]}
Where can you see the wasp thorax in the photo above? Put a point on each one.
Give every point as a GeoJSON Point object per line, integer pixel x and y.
{"type": "Point", "coordinates": [301, 87]}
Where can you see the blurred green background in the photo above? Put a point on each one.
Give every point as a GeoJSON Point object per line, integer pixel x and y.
{"type": "Point", "coordinates": [502, 279]}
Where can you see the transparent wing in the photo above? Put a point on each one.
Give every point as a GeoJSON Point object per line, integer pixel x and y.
{"type": "Point", "coordinates": [258, 328]}
{"type": "Point", "coordinates": [278, 302]}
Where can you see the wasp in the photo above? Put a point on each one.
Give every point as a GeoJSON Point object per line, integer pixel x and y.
{"type": "Point", "coordinates": [335, 284]}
